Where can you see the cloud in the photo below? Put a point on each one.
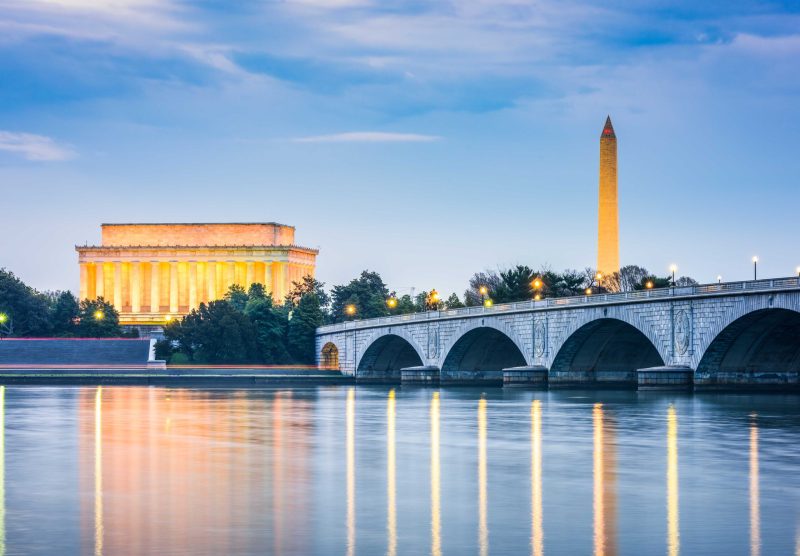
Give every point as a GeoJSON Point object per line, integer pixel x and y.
{"type": "Point", "coordinates": [368, 137]}
{"type": "Point", "coordinates": [34, 147]}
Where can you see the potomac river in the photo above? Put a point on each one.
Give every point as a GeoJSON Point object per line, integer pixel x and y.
{"type": "Point", "coordinates": [357, 470]}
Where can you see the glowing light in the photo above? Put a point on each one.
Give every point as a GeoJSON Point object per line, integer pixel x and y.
{"type": "Point", "coordinates": [719, 278]}
{"type": "Point", "coordinates": [435, 296]}
{"type": "Point", "coordinates": [673, 522]}
{"type": "Point", "coordinates": [350, 309]}
{"type": "Point", "coordinates": [673, 268]}
{"type": "Point", "coordinates": [483, 290]}
{"type": "Point", "coordinates": [755, 259]}
{"type": "Point", "coordinates": [537, 534]}
{"type": "Point", "coordinates": [649, 285]}
{"type": "Point", "coordinates": [488, 303]}
{"type": "Point", "coordinates": [588, 291]}
{"type": "Point", "coordinates": [391, 484]}
{"type": "Point", "coordinates": [537, 297]}
{"type": "Point", "coordinates": [3, 318]}
{"type": "Point", "coordinates": [99, 315]}
{"type": "Point", "coordinates": [98, 472]}
{"type": "Point", "coordinates": [483, 527]}
{"type": "Point", "coordinates": [599, 510]}
{"type": "Point", "coordinates": [168, 318]}
{"type": "Point", "coordinates": [391, 302]}
{"type": "Point", "coordinates": [537, 284]}
{"type": "Point", "coordinates": [755, 498]}
{"type": "Point", "coordinates": [797, 270]}
{"type": "Point", "coordinates": [599, 276]}
{"type": "Point", "coordinates": [350, 426]}
{"type": "Point", "coordinates": [436, 506]}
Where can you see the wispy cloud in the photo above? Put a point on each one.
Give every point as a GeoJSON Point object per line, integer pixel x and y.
{"type": "Point", "coordinates": [368, 137]}
{"type": "Point", "coordinates": [34, 147]}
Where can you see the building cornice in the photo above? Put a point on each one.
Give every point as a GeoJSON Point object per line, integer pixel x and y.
{"type": "Point", "coordinates": [106, 248]}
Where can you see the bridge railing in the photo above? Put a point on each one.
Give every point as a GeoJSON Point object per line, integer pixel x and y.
{"type": "Point", "coordinates": [777, 284]}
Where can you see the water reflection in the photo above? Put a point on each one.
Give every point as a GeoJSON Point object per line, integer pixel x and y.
{"type": "Point", "coordinates": [436, 517]}
{"type": "Point", "coordinates": [604, 468]}
{"type": "Point", "coordinates": [483, 527]}
{"type": "Point", "coordinates": [2, 470]}
{"type": "Point", "coordinates": [755, 510]}
{"type": "Point", "coordinates": [537, 535]}
{"type": "Point", "coordinates": [351, 471]}
{"type": "Point", "coordinates": [391, 490]}
{"type": "Point", "coordinates": [98, 472]}
{"type": "Point", "coordinates": [673, 532]}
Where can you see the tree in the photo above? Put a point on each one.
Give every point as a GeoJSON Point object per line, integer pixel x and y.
{"type": "Point", "coordinates": [405, 305]}
{"type": "Point", "coordinates": [367, 293]}
{"type": "Point", "coordinates": [654, 281]}
{"type": "Point", "coordinates": [515, 285]}
{"type": "Point", "coordinates": [97, 318]}
{"type": "Point", "coordinates": [23, 306]}
{"type": "Point", "coordinates": [630, 276]}
{"type": "Point", "coordinates": [306, 317]}
{"type": "Point", "coordinates": [305, 286]}
{"type": "Point", "coordinates": [685, 281]}
{"type": "Point", "coordinates": [270, 328]}
{"type": "Point", "coordinates": [489, 280]}
{"type": "Point", "coordinates": [64, 314]}
{"type": "Point", "coordinates": [453, 302]}
{"type": "Point", "coordinates": [237, 297]}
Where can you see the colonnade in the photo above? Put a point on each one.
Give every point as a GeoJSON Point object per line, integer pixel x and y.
{"type": "Point", "coordinates": [174, 286]}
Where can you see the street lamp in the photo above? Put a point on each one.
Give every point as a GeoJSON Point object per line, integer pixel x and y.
{"type": "Point", "coordinates": [588, 291]}
{"type": "Point", "coordinates": [649, 285]}
{"type": "Point", "coordinates": [755, 268]}
{"type": "Point", "coordinates": [719, 279]}
{"type": "Point", "coordinates": [391, 302]}
{"type": "Point", "coordinates": [5, 325]}
{"type": "Point", "coordinates": [488, 303]}
{"type": "Point", "coordinates": [350, 310]}
{"type": "Point", "coordinates": [797, 270]}
{"type": "Point", "coordinates": [99, 315]}
{"type": "Point", "coordinates": [483, 290]}
{"type": "Point", "coordinates": [673, 268]}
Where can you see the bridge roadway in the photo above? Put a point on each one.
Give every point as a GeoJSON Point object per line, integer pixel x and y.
{"type": "Point", "coordinates": [714, 336]}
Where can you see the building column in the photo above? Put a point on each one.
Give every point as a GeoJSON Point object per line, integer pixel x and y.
{"type": "Point", "coordinates": [249, 274]}
{"type": "Point", "coordinates": [173, 286]}
{"type": "Point", "coordinates": [230, 276]}
{"type": "Point", "coordinates": [99, 280]}
{"type": "Point", "coordinates": [155, 286]}
{"type": "Point", "coordinates": [118, 286]}
{"type": "Point", "coordinates": [192, 285]}
{"type": "Point", "coordinates": [84, 288]}
{"type": "Point", "coordinates": [211, 280]}
{"type": "Point", "coordinates": [268, 276]}
{"type": "Point", "coordinates": [136, 287]}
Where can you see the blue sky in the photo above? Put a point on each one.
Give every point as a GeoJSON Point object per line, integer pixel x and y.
{"type": "Point", "coordinates": [425, 140]}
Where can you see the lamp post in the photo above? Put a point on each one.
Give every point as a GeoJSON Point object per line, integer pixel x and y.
{"type": "Point", "coordinates": [719, 279]}
{"type": "Point", "coordinates": [483, 290]}
{"type": "Point", "coordinates": [797, 270]}
{"type": "Point", "coordinates": [537, 285]}
{"type": "Point", "coordinates": [5, 325]}
{"type": "Point", "coordinates": [755, 268]}
{"type": "Point", "coordinates": [391, 302]}
{"type": "Point", "coordinates": [673, 268]}
{"type": "Point", "coordinates": [350, 310]}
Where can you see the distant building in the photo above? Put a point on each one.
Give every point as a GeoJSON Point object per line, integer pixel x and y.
{"type": "Point", "coordinates": [608, 218]}
{"type": "Point", "coordinates": [155, 272]}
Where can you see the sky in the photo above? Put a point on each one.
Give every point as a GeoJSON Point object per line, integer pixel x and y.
{"type": "Point", "coordinates": [425, 140]}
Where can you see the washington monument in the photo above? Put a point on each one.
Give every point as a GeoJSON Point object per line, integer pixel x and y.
{"type": "Point", "coordinates": [608, 219]}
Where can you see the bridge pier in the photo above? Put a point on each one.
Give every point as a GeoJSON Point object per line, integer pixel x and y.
{"type": "Point", "coordinates": [370, 376]}
{"type": "Point", "coordinates": [471, 378]}
{"type": "Point", "coordinates": [572, 378]}
{"type": "Point", "coordinates": [534, 376]}
{"type": "Point", "coordinates": [665, 378]}
{"type": "Point", "coordinates": [425, 374]}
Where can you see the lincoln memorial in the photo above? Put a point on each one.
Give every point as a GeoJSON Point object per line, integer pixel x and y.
{"type": "Point", "coordinates": [155, 272]}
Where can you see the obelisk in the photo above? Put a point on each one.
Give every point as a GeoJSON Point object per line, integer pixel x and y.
{"type": "Point", "coordinates": [608, 219]}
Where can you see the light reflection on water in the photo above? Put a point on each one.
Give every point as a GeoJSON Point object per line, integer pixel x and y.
{"type": "Point", "coordinates": [354, 471]}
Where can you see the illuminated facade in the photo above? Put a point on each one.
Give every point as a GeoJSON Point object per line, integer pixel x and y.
{"type": "Point", "coordinates": [608, 217]}
{"type": "Point", "coordinates": [154, 272]}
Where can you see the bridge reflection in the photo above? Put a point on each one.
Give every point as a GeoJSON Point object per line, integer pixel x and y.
{"type": "Point", "coordinates": [673, 531]}
{"type": "Point", "coordinates": [436, 505]}
{"type": "Point", "coordinates": [755, 502]}
{"type": "Point", "coordinates": [605, 489]}
{"type": "Point", "coordinates": [537, 534]}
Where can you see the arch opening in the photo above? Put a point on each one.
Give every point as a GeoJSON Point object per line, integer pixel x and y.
{"type": "Point", "coordinates": [604, 351]}
{"type": "Point", "coordinates": [384, 358]}
{"type": "Point", "coordinates": [480, 355]}
{"type": "Point", "coordinates": [762, 347]}
{"type": "Point", "coordinates": [329, 357]}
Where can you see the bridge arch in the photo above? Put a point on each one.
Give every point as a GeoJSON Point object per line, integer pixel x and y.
{"type": "Point", "coordinates": [605, 349]}
{"type": "Point", "coordinates": [482, 348]}
{"type": "Point", "coordinates": [329, 357]}
{"type": "Point", "coordinates": [386, 353]}
{"type": "Point", "coordinates": [764, 341]}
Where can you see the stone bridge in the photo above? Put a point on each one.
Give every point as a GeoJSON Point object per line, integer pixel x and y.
{"type": "Point", "coordinates": [716, 335]}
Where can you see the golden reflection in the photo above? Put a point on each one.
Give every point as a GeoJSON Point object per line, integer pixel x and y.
{"type": "Point", "coordinates": [537, 535]}
{"type": "Point", "coordinates": [2, 470]}
{"type": "Point", "coordinates": [391, 492]}
{"type": "Point", "coordinates": [755, 511]}
{"type": "Point", "coordinates": [673, 532]}
{"type": "Point", "coordinates": [351, 472]}
{"type": "Point", "coordinates": [98, 471]}
{"type": "Point", "coordinates": [436, 517]}
{"type": "Point", "coordinates": [483, 528]}
{"type": "Point", "coordinates": [604, 485]}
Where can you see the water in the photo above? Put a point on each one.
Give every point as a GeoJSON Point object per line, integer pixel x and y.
{"type": "Point", "coordinates": [370, 471]}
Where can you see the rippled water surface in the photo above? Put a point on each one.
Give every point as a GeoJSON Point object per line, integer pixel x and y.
{"type": "Point", "coordinates": [340, 470]}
